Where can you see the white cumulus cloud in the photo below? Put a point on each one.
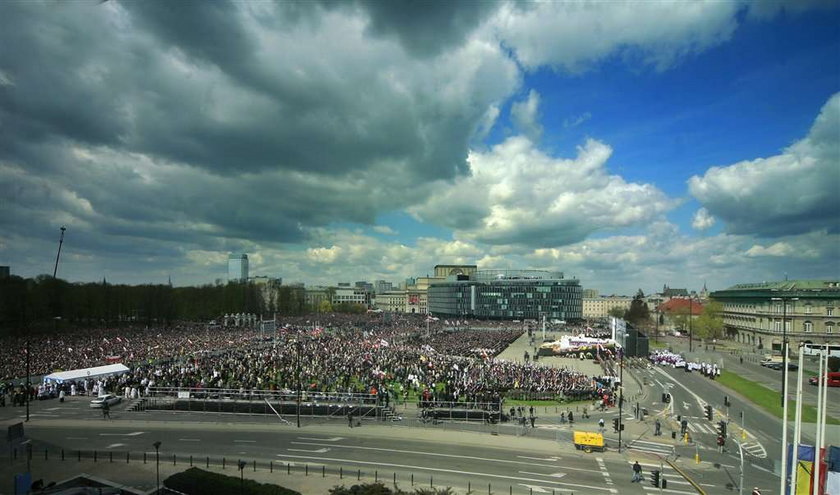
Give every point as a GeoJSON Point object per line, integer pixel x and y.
{"type": "Point", "coordinates": [794, 192]}
{"type": "Point", "coordinates": [702, 220]}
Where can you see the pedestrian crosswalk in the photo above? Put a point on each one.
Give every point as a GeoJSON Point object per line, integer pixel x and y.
{"type": "Point", "coordinates": [702, 428]}
{"type": "Point", "coordinates": [675, 483]}
{"type": "Point", "coordinates": [652, 447]}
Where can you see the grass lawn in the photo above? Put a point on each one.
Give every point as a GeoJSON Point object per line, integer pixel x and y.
{"type": "Point", "coordinates": [768, 399]}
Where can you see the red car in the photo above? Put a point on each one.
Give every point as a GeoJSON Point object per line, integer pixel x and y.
{"type": "Point", "coordinates": [831, 379]}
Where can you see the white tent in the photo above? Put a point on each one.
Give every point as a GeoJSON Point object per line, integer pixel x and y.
{"type": "Point", "coordinates": [95, 372]}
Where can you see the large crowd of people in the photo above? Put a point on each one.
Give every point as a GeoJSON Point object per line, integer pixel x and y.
{"type": "Point", "coordinates": [401, 354]}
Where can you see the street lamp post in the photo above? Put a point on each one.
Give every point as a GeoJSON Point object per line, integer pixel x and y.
{"type": "Point", "coordinates": [157, 465]}
{"type": "Point", "coordinates": [690, 317]}
{"type": "Point", "coordinates": [297, 349]}
{"type": "Point", "coordinates": [784, 342]}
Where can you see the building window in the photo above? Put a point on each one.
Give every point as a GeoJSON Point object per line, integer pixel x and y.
{"type": "Point", "coordinates": [808, 326]}
{"type": "Point", "coordinates": [829, 327]}
{"type": "Point", "coordinates": [807, 309]}
{"type": "Point", "coordinates": [829, 311]}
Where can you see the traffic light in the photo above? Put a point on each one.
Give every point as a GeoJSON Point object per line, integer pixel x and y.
{"type": "Point", "coordinates": [709, 413]}
{"type": "Point", "coordinates": [615, 425]}
{"type": "Point", "coordinates": [654, 478]}
{"type": "Point", "coordinates": [722, 428]}
{"type": "Point", "coordinates": [666, 397]}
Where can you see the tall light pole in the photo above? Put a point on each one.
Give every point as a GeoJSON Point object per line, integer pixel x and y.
{"type": "Point", "coordinates": [784, 342]}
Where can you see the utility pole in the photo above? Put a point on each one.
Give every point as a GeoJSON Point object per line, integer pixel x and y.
{"type": "Point", "coordinates": [690, 317]}
{"type": "Point", "coordinates": [297, 348]}
{"type": "Point", "coordinates": [620, 395]}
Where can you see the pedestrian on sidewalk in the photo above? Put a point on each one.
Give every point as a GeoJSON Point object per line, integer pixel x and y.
{"type": "Point", "coordinates": [657, 428]}
{"type": "Point", "coordinates": [350, 419]}
{"type": "Point", "coordinates": [601, 425]}
{"type": "Point", "coordinates": [637, 472]}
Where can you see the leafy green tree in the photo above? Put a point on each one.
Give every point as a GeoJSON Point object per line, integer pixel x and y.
{"type": "Point", "coordinates": [616, 312]}
{"type": "Point", "coordinates": [709, 325]}
{"type": "Point", "coordinates": [639, 313]}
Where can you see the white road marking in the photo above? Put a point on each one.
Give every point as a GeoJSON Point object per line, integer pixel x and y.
{"type": "Point", "coordinates": [667, 490]}
{"type": "Point", "coordinates": [536, 488]}
{"type": "Point", "coordinates": [553, 475]}
{"type": "Point", "coordinates": [317, 451]}
{"type": "Point", "coordinates": [133, 434]}
{"type": "Point", "coordinates": [333, 439]}
{"type": "Point", "coordinates": [115, 445]}
{"type": "Point", "coordinates": [189, 439]}
{"type": "Point", "coordinates": [435, 454]}
{"type": "Point", "coordinates": [244, 441]}
{"type": "Point", "coordinates": [548, 459]}
{"type": "Point", "coordinates": [441, 470]}
{"type": "Point", "coordinates": [76, 438]}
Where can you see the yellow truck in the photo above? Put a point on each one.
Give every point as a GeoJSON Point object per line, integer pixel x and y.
{"type": "Point", "coordinates": [588, 441]}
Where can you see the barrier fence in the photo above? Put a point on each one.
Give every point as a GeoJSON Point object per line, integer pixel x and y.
{"type": "Point", "coordinates": [29, 455]}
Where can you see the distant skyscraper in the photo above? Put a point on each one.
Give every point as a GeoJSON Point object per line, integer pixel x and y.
{"type": "Point", "coordinates": [238, 268]}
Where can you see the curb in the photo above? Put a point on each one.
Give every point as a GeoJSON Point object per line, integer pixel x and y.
{"type": "Point", "coordinates": [685, 477]}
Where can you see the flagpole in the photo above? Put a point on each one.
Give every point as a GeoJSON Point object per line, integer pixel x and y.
{"type": "Point", "coordinates": [797, 425]}
{"type": "Point", "coordinates": [821, 395]}
{"type": "Point", "coordinates": [783, 477]}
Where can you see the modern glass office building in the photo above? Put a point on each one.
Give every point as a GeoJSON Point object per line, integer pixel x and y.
{"type": "Point", "coordinates": [509, 295]}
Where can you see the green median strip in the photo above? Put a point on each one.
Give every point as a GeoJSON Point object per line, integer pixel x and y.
{"type": "Point", "coordinates": [768, 399]}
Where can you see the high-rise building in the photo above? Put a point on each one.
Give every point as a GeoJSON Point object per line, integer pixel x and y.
{"type": "Point", "coordinates": [238, 268]}
{"type": "Point", "coordinates": [381, 286]}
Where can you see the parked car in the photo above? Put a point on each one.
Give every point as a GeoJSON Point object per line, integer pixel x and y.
{"type": "Point", "coordinates": [778, 366]}
{"type": "Point", "coordinates": [109, 399]}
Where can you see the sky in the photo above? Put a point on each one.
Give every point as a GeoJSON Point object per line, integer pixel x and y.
{"type": "Point", "coordinates": [626, 144]}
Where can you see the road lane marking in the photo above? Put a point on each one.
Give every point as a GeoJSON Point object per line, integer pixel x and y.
{"type": "Point", "coordinates": [454, 471]}
{"type": "Point", "coordinates": [244, 441]}
{"type": "Point", "coordinates": [435, 454]}
{"type": "Point", "coordinates": [667, 490]}
{"type": "Point", "coordinates": [317, 451]}
{"type": "Point", "coordinates": [548, 459]}
{"type": "Point", "coordinates": [133, 434]}
{"type": "Point", "coordinates": [536, 488]}
{"type": "Point", "coordinates": [115, 445]}
{"type": "Point", "coordinates": [553, 475]}
{"type": "Point", "coordinates": [76, 438]}
{"type": "Point", "coordinates": [333, 439]}
{"type": "Point", "coordinates": [189, 439]}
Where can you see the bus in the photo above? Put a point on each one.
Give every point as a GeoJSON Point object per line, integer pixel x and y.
{"type": "Point", "coordinates": [817, 349]}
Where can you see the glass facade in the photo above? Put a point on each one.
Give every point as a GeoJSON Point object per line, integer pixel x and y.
{"type": "Point", "coordinates": [511, 295]}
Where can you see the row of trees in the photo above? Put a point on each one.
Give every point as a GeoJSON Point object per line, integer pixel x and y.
{"type": "Point", "coordinates": [44, 302]}
{"type": "Point", "coordinates": [707, 325]}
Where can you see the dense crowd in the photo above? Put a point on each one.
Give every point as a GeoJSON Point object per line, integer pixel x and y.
{"type": "Point", "coordinates": [330, 353]}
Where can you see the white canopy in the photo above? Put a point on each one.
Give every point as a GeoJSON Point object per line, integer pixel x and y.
{"type": "Point", "coordinates": [95, 372]}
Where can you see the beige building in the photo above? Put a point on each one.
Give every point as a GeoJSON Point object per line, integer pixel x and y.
{"type": "Point", "coordinates": [414, 297]}
{"type": "Point", "coordinates": [599, 307]}
{"type": "Point", "coordinates": [762, 314]}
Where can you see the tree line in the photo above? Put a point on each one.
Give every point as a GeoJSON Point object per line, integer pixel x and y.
{"type": "Point", "coordinates": [43, 302]}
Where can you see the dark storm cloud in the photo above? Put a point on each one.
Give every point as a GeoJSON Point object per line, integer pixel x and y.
{"type": "Point", "coordinates": [426, 27]}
